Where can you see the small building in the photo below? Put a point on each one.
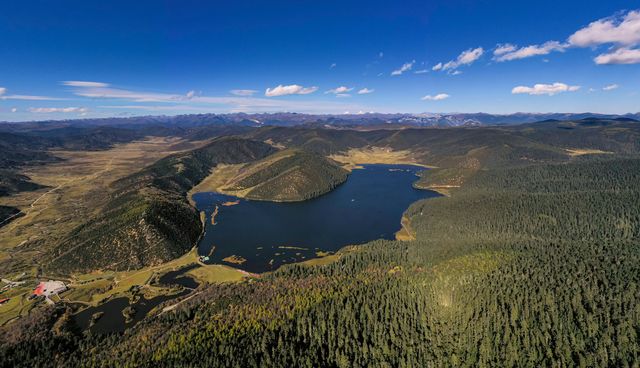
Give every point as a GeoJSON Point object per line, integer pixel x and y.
{"type": "Point", "coordinates": [48, 288]}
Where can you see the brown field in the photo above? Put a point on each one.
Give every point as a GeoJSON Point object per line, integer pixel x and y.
{"type": "Point", "coordinates": [214, 274]}
{"type": "Point", "coordinates": [235, 259]}
{"type": "Point", "coordinates": [224, 176]}
{"type": "Point", "coordinates": [585, 151]}
{"type": "Point", "coordinates": [221, 175]}
{"type": "Point", "coordinates": [406, 233]}
{"type": "Point", "coordinates": [376, 155]}
{"type": "Point", "coordinates": [77, 188]}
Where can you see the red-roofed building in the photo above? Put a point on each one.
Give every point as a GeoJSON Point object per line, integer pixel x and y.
{"type": "Point", "coordinates": [48, 288]}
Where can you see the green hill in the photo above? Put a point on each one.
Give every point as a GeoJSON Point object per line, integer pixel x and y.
{"type": "Point", "coordinates": [148, 220]}
{"type": "Point", "coordinates": [534, 260]}
{"type": "Point", "coordinates": [289, 175]}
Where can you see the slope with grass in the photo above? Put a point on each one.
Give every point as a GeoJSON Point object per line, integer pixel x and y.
{"type": "Point", "coordinates": [534, 260]}
{"type": "Point", "coordinates": [148, 219]}
{"type": "Point", "coordinates": [286, 176]}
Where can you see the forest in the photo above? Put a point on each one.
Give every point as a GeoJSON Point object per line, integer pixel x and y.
{"type": "Point", "coordinates": [148, 219]}
{"type": "Point", "coordinates": [289, 175]}
{"type": "Point", "coordinates": [532, 264]}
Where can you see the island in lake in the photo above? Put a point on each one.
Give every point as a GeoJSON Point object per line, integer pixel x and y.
{"type": "Point", "coordinates": [265, 235]}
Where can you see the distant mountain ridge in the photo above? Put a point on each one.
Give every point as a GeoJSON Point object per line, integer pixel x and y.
{"type": "Point", "coordinates": [329, 120]}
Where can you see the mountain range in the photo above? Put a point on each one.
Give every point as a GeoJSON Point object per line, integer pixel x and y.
{"type": "Point", "coordinates": [357, 120]}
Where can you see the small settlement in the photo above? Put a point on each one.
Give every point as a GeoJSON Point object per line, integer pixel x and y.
{"type": "Point", "coordinates": [49, 288]}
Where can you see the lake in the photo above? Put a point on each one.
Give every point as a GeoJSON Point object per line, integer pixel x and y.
{"type": "Point", "coordinates": [112, 319]}
{"type": "Point", "coordinates": [259, 236]}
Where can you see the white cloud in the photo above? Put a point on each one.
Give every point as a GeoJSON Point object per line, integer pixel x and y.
{"type": "Point", "coordinates": [338, 90]}
{"type": "Point", "coordinates": [504, 49]}
{"type": "Point", "coordinates": [219, 104]}
{"type": "Point", "coordinates": [365, 91]}
{"type": "Point", "coordinates": [243, 92]}
{"type": "Point", "coordinates": [404, 68]}
{"type": "Point", "coordinates": [30, 98]}
{"type": "Point", "coordinates": [14, 110]}
{"type": "Point", "coordinates": [190, 94]}
{"type": "Point", "coordinates": [619, 56]}
{"type": "Point", "coordinates": [610, 87]}
{"type": "Point", "coordinates": [58, 109]}
{"type": "Point", "coordinates": [421, 71]}
{"type": "Point", "coordinates": [292, 89]}
{"type": "Point", "coordinates": [92, 91]}
{"type": "Point", "coordinates": [621, 30]}
{"type": "Point", "coordinates": [85, 84]}
{"type": "Point", "coordinates": [4, 96]}
{"type": "Point", "coordinates": [467, 57]}
{"type": "Point", "coordinates": [544, 89]}
{"type": "Point", "coordinates": [456, 72]}
{"type": "Point", "coordinates": [333, 65]}
{"type": "Point", "coordinates": [343, 95]}
{"type": "Point", "coordinates": [510, 52]}
{"type": "Point", "coordinates": [438, 97]}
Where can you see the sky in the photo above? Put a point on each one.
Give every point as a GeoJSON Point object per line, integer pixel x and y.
{"type": "Point", "coordinates": [85, 59]}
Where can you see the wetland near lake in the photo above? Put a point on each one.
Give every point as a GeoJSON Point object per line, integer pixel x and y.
{"type": "Point", "coordinates": [259, 236]}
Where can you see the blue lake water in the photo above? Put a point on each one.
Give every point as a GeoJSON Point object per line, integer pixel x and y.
{"type": "Point", "coordinates": [368, 206]}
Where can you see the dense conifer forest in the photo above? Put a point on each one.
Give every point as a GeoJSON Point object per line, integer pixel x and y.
{"type": "Point", "coordinates": [534, 260]}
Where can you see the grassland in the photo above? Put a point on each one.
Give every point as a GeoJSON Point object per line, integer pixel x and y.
{"type": "Point", "coordinates": [532, 261]}
{"type": "Point", "coordinates": [213, 274]}
{"type": "Point", "coordinates": [77, 187]}
{"type": "Point", "coordinates": [288, 175]}
{"type": "Point", "coordinates": [147, 219]}
{"type": "Point", "coordinates": [586, 151]}
{"type": "Point", "coordinates": [355, 157]}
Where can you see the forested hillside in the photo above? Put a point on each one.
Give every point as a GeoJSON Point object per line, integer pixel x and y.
{"type": "Point", "coordinates": [522, 266]}
{"type": "Point", "coordinates": [148, 220]}
{"type": "Point", "coordinates": [533, 260]}
{"type": "Point", "coordinates": [289, 175]}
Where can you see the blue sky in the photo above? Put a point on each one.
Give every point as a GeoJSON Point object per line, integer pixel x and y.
{"type": "Point", "coordinates": [73, 59]}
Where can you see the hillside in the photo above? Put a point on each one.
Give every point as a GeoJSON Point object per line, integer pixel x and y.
{"type": "Point", "coordinates": [536, 249]}
{"type": "Point", "coordinates": [148, 219]}
{"type": "Point", "coordinates": [516, 256]}
{"type": "Point", "coordinates": [289, 175]}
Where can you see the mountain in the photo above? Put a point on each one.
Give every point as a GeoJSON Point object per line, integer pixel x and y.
{"type": "Point", "coordinates": [185, 124]}
{"type": "Point", "coordinates": [148, 219]}
{"type": "Point", "coordinates": [287, 176]}
{"type": "Point", "coordinates": [535, 251]}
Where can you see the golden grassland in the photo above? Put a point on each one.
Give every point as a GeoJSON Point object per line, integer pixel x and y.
{"type": "Point", "coordinates": [234, 259]}
{"type": "Point", "coordinates": [585, 151]}
{"type": "Point", "coordinates": [353, 158]}
{"type": "Point", "coordinates": [444, 190]}
{"type": "Point", "coordinates": [221, 176]}
{"type": "Point", "coordinates": [18, 304]}
{"type": "Point", "coordinates": [406, 233]}
{"type": "Point", "coordinates": [103, 285]}
{"type": "Point", "coordinates": [77, 188]}
{"type": "Point", "coordinates": [321, 260]}
{"type": "Point", "coordinates": [214, 274]}
{"type": "Point", "coordinates": [224, 176]}
{"type": "Point", "coordinates": [93, 288]}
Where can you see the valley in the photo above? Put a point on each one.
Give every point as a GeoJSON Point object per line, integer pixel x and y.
{"type": "Point", "coordinates": [289, 204]}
